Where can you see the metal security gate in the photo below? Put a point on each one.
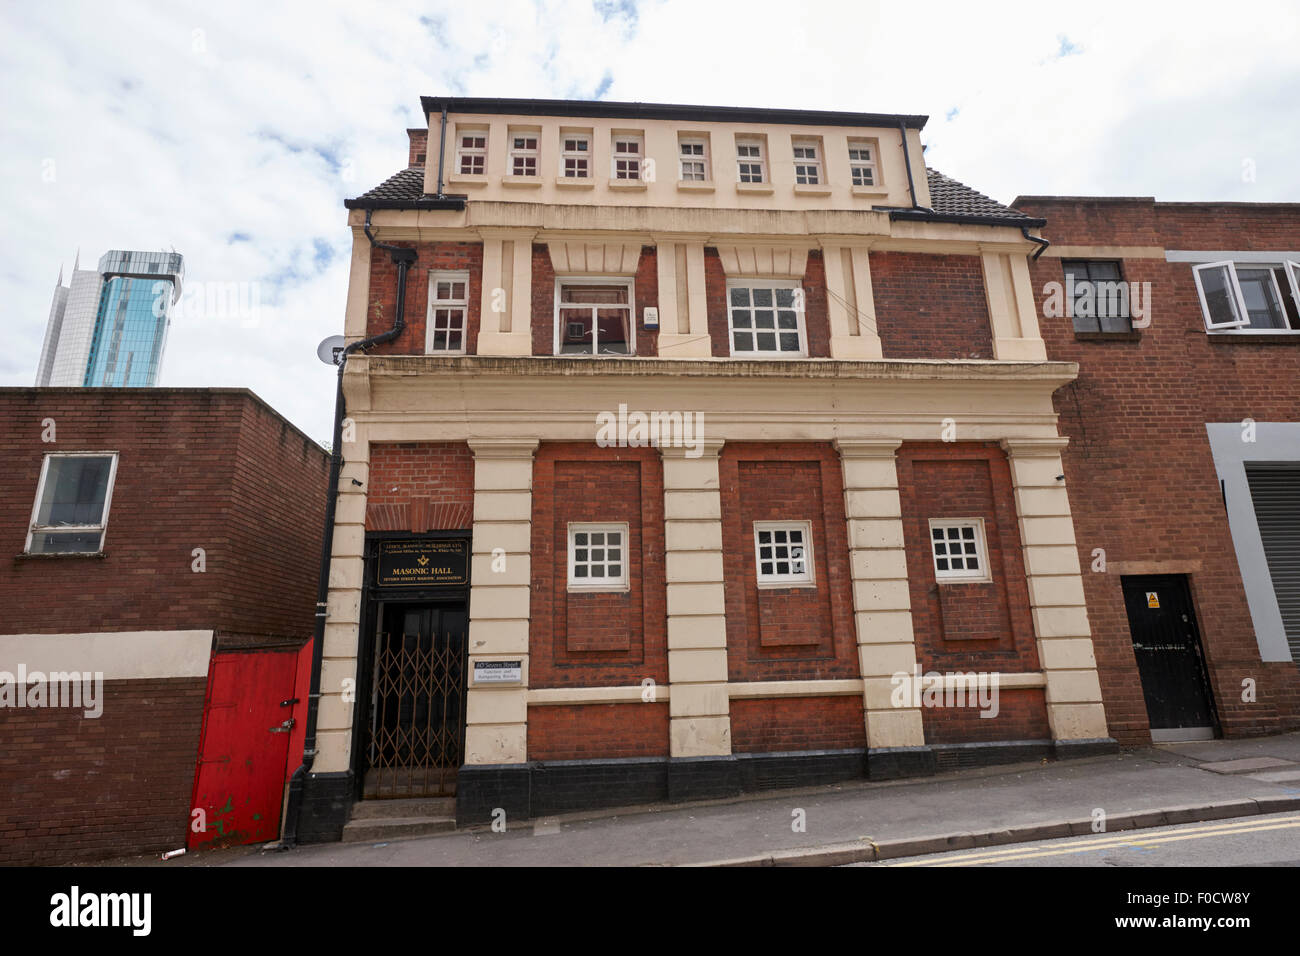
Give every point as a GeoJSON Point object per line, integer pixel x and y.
{"type": "Point", "coordinates": [417, 702]}
{"type": "Point", "coordinates": [1171, 663]}
{"type": "Point", "coordinates": [1275, 494]}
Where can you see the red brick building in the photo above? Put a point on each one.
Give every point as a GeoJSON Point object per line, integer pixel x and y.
{"type": "Point", "coordinates": [163, 542]}
{"type": "Point", "coordinates": [1184, 458]}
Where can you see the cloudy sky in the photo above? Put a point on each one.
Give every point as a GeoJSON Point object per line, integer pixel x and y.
{"type": "Point", "coordinates": [233, 131]}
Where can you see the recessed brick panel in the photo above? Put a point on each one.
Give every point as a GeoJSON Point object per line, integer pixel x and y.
{"type": "Point", "coordinates": [930, 307]}
{"type": "Point", "coordinates": [779, 724]}
{"type": "Point", "coordinates": [597, 731]}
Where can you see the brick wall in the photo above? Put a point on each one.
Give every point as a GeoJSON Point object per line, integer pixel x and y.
{"type": "Point", "coordinates": [786, 633]}
{"type": "Point", "coordinates": [1139, 469]}
{"type": "Point", "coordinates": [930, 306]}
{"type": "Point", "coordinates": [1021, 715]}
{"type": "Point", "coordinates": [597, 731]}
{"type": "Point", "coordinates": [420, 486]}
{"type": "Point", "coordinates": [419, 146]}
{"type": "Point", "coordinates": [78, 789]}
{"type": "Point", "coordinates": [777, 725]}
{"type": "Point", "coordinates": [602, 638]}
{"type": "Point", "coordinates": [382, 299]}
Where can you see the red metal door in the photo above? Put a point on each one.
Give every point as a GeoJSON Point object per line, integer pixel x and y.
{"type": "Point", "coordinates": [247, 727]}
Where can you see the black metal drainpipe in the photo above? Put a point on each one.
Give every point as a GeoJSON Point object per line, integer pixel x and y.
{"type": "Point", "coordinates": [1042, 243]}
{"type": "Point", "coordinates": [907, 161]}
{"type": "Point", "coordinates": [442, 149]}
{"type": "Point", "coordinates": [403, 259]}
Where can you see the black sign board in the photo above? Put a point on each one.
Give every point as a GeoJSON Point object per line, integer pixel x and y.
{"type": "Point", "coordinates": [414, 564]}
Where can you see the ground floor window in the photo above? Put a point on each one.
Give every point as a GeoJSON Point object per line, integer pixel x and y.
{"type": "Point", "coordinates": [783, 553]}
{"type": "Point", "coordinates": [598, 557]}
{"type": "Point", "coordinates": [957, 546]}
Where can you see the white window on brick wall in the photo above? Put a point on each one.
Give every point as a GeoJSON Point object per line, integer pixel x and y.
{"type": "Point", "coordinates": [598, 557]}
{"type": "Point", "coordinates": [626, 157]}
{"type": "Point", "coordinates": [958, 549]}
{"type": "Point", "coordinates": [693, 154]}
{"type": "Point", "coordinates": [750, 167]}
{"type": "Point", "coordinates": [523, 154]}
{"type": "Point", "coordinates": [72, 500]}
{"type": "Point", "coordinates": [862, 163]}
{"type": "Point", "coordinates": [471, 152]}
{"type": "Point", "coordinates": [1249, 296]}
{"type": "Point", "coordinates": [807, 163]}
{"type": "Point", "coordinates": [448, 306]}
{"type": "Point", "coordinates": [765, 318]}
{"type": "Point", "coordinates": [783, 553]}
{"type": "Point", "coordinates": [575, 156]}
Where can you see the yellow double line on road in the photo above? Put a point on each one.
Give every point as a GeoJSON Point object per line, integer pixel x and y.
{"type": "Point", "coordinates": [1133, 838]}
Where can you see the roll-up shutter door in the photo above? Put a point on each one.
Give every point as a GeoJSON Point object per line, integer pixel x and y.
{"type": "Point", "coordinates": [1275, 492]}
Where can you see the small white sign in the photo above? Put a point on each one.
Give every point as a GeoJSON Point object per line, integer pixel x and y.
{"type": "Point", "coordinates": [498, 672]}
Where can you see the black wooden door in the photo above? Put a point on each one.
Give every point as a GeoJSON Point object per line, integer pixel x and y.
{"type": "Point", "coordinates": [1167, 645]}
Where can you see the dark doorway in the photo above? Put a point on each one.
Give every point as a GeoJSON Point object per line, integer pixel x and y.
{"type": "Point", "coordinates": [417, 699]}
{"type": "Point", "coordinates": [1171, 662]}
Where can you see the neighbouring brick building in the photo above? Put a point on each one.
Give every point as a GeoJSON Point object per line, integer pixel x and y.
{"type": "Point", "coordinates": [534, 607]}
{"type": "Point", "coordinates": [159, 537]}
{"type": "Point", "coordinates": [1184, 457]}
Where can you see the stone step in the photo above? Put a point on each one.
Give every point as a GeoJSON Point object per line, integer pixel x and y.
{"type": "Point", "coordinates": [404, 809]}
{"type": "Point", "coordinates": [389, 828]}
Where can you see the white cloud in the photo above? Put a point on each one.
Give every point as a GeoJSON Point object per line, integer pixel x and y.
{"type": "Point", "coordinates": [186, 124]}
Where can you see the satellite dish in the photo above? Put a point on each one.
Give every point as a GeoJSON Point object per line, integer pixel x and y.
{"type": "Point", "coordinates": [330, 351]}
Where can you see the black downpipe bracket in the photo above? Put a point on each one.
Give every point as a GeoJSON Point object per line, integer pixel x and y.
{"type": "Point", "coordinates": [403, 259]}
{"type": "Point", "coordinates": [1042, 243]}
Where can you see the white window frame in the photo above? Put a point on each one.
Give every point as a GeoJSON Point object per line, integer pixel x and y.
{"type": "Point", "coordinates": [702, 157]}
{"type": "Point", "coordinates": [525, 153]}
{"type": "Point", "coordinates": [446, 275]}
{"type": "Point", "coordinates": [808, 577]}
{"type": "Point", "coordinates": [102, 527]}
{"type": "Point", "coordinates": [799, 314]}
{"type": "Point", "coordinates": [744, 142]}
{"type": "Point", "coordinates": [463, 152]}
{"type": "Point", "coordinates": [870, 165]}
{"type": "Point", "coordinates": [629, 282]}
{"type": "Point", "coordinates": [567, 154]}
{"type": "Point", "coordinates": [1241, 325]}
{"type": "Point", "coordinates": [615, 156]}
{"type": "Point", "coordinates": [818, 179]}
{"type": "Point", "coordinates": [981, 551]}
{"type": "Point", "coordinates": [598, 527]}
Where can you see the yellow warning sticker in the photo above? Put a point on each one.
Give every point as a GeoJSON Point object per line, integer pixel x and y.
{"type": "Point", "coordinates": [1153, 599]}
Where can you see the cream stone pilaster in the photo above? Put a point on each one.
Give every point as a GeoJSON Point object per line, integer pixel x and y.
{"type": "Point", "coordinates": [354, 318]}
{"type": "Point", "coordinates": [852, 310]}
{"type": "Point", "coordinates": [881, 600]}
{"type": "Point", "coordinates": [505, 312]}
{"type": "Point", "coordinates": [341, 646]}
{"type": "Point", "coordinates": [699, 708]}
{"type": "Point", "coordinates": [1012, 312]}
{"type": "Point", "coordinates": [496, 723]}
{"type": "Point", "coordinates": [1074, 707]}
{"type": "Point", "coordinates": [683, 318]}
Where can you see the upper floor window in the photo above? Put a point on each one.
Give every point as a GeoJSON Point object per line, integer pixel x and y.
{"type": "Point", "coordinates": [594, 317]}
{"type": "Point", "coordinates": [807, 163]}
{"type": "Point", "coordinates": [448, 305]}
{"type": "Point", "coordinates": [862, 163]}
{"type": "Point", "coordinates": [575, 154]}
{"type": "Point", "coordinates": [627, 157]}
{"type": "Point", "coordinates": [72, 500]}
{"type": "Point", "coordinates": [1249, 296]}
{"type": "Point", "coordinates": [749, 160]}
{"type": "Point", "coordinates": [958, 549]}
{"type": "Point", "coordinates": [523, 153]}
{"type": "Point", "coordinates": [764, 318]}
{"type": "Point", "coordinates": [1099, 300]}
{"type": "Point", "coordinates": [693, 154]}
{"type": "Point", "coordinates": [471, 152]}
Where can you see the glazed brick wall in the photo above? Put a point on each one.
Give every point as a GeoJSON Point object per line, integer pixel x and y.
{"type": "Point", "coordinates": [1142, 481]}
{"type": "Point", "coordinates": [382, 300]}
{"type": "Point", "coordinates": [816, 318]}
{"type": "Point", "coordinates": [777, 725]}
{"type": "Point", "coordinates": [120, 784]}
{"type": "Point", "coordinates": [786, 633]}
{"type": "Point", "coordinates": [645, 292]}
{"type": "Point", "coordinates": [598, 638]}
{"type": "Point", "coordinates": [969, 626]}
{"type": "Point", "coordinates": [597, 731]}
{"type": "Point", "coordinates": [930, 306]}
{"type": "Point", "coordinates": [420, 486]}
{"type": "Point", "coordinates": [1022, 715]}
{"type": "Point", "coordinates": [197, 468]}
